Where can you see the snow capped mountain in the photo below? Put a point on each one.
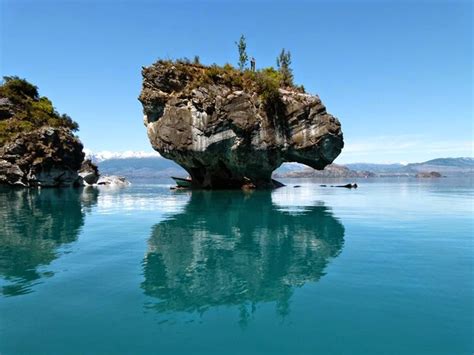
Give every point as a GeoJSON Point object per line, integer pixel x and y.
{"type": "Point", "coordinates": [99, 157]}
{"type": "Point", "coordinates": [134, 165]}
{"type": "Point", "coordinates": [141, 164]}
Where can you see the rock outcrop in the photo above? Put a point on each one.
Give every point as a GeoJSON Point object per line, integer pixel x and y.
{"type": "Point", "coordinates": [431, 174]}
{"type": "Point", "coordinates": [113, 181]}
{"type": "Point", "coordinates": [224, 129]}
{"type": "Point", "coordinates": [89, 172]}
{"type": "Point", "coordinates": [47, 157]}
{"type": "Point", "coordinates": [37, 143]}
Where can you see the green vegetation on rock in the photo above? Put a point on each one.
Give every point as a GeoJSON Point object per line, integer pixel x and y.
{"type": "Point", "coordinates": [22, 109]}
{"type": "Point", "coordinates": [283, 64]}
{"type": "Point", "coordinates": [230, 128]}
{"type": "Point", "coordinates": [242, 48]}
{"type": "Point", "coordinates": [266, 82]}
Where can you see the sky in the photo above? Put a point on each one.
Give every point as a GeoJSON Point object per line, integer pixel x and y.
{"type": "Point", "coordinates": [397, 74]}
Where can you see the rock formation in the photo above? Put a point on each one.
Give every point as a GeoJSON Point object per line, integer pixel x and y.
{"type": "Point", "coordinates": [37, 144]}
{"type": "Point", "coordinates": [431, 174]}
{"type": "Point", "coordinates": [113, 180]}
{"type": "Point", "coordinates": [48, 157]}
{"type": "Point", "coordinates": [225, 127]}
{"type": "Point", "coordinates": [89, 172]}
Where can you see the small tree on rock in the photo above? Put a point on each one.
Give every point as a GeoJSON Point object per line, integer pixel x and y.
{"type": "Point", "coordinates": [283, 64]}
{"type": "Point", "coordinates": [243, 57]}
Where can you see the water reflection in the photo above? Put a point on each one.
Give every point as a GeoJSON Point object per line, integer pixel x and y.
{"type": "Point", "coordinates": [228, 248]}
{"type": "Point", "coordinates": [34, 224]}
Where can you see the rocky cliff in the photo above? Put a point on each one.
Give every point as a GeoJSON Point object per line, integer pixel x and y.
{"type": "Point", "coordinates": [37, 144]}
{"type": "Point", "coordinates": [227, 128]}
{"type": "Point", "coordinates": [48, 157]}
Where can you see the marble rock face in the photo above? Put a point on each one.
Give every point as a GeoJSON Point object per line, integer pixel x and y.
{"type": "Point", "coordinates": [224, 136]}
{"type": "Point", "coordinates": [45, 157]}
{"type": "Point", "coordinates": [89, 172]}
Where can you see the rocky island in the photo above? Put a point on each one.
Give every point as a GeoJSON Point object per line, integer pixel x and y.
{"type": "Point", "coordinates": [38, 146]}
{"type": "Point", "coordinates": [228, 127]}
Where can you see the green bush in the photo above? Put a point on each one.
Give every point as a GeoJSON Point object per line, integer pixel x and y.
{"type": "Point", "coordinates": [226, 75]}
{"type": "Point", "coordinates": [9, 128]}
{"type": "Point", "coordinates": [268, 82]}
{"type": "Point", "coordinates": [283, 64]}
{"type": "Point", "coordinates": [242, 48]}
{"type": "Point", "coordinates": [214, 73]}
{"type": "Point", "coordinates": [18, 90]}
{"type": "Point", "coordinates": [30, 110]}
{"type": "Point", "coordinates": [184, 60]}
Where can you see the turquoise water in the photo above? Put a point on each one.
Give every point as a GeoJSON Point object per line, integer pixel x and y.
{"type": "Point", "coordinates": [384, 269]}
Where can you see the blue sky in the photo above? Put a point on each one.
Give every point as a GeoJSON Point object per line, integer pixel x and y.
{"type": "Point", "coordinates": [398, 74]}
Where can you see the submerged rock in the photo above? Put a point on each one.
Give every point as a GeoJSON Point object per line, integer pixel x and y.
{"type": "Point", "coordinates": [224, 133]}
{"type": "Point", "coordinates": [348, 186]}
{"type": "Point", "coordinates": [431, 174]}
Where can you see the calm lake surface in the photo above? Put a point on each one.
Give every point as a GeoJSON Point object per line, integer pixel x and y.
{"type": "Point", "coordinates": [384, 269]}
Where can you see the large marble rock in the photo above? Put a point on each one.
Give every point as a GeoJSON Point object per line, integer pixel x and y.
{"type": "Point", "coordinates": [89, 172]}
{"type": "Point", "coordinates": [224, 135]}
{"type": "Point", "coordinates": [45, 157]}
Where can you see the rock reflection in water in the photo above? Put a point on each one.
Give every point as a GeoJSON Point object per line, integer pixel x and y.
{"type": "Point", "coordinates": [34, 224]}
{"type": "Point", "coordinates": [228, 248]}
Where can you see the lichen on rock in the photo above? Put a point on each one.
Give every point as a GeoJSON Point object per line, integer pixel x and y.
{"type": "Point", "coordinates": [226, 127]}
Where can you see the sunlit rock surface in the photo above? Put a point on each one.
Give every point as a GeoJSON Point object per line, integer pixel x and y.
{"type": "Point", "coordinates": [47, 157]}
{"type": "Point", "coordinates": [223, 135]}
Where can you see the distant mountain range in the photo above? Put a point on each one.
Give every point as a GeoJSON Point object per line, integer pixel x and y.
{"type": "Point", "coordinates": [443, 166]}
{"type": "Point", "coordinates": [156, 167]}
{"type": "Point", "coordinates": [330, 171]}
{"type": "Point", "coordinates": [151, 165]}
